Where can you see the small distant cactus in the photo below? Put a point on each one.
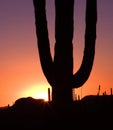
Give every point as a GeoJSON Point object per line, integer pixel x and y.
{"type": "Point", "coordinates": [59, 72]}
{"type": "Point", "coordinates": [111, 90]}
{"type": "Point", "coordinates": [98, 90]}
{"type": "Point", "coordinates": [49, 95]}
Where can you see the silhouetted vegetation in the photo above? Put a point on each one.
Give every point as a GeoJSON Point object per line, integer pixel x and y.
{"type": "Point", "coordinates": [59, 72]}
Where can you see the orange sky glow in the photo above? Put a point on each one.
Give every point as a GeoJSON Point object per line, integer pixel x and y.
{"type": "Point", "coordinates": [20, 70]}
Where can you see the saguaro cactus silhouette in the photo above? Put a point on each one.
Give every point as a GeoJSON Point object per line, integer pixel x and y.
{"type": "Point", "coordinates": [59, 71]}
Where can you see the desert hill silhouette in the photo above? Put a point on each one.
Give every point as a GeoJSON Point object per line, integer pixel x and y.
{"type": "Point", "coordinates": [29, 103]}
{"type": "Point", "coordinates": [36, 113]}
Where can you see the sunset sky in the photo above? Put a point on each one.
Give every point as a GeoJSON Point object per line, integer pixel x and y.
{"type": "Point", "coordinates": [20, 70]}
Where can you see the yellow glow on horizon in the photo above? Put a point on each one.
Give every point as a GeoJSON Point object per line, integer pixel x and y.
{"type": "Point", "coordinates": [42, 95]}
{"type": "Point", "coordinates": [39, 91]}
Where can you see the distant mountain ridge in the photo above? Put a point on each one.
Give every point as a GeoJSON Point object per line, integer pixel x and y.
{"type": "Point", "coordinates": [36, 113]}
{"type": "Point", "coordinates": [27, 103]}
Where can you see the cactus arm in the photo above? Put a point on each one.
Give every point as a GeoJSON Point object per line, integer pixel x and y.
{"type": "Point", "coordinates": [43, 40]}
{"type": "Point", "coordinates": [81, 76]}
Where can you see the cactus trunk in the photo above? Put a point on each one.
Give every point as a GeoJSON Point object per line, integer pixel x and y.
{"type": "Point", "coordinates": [63, 58]}
{"type": "Point", "coordinates": [59, 71]}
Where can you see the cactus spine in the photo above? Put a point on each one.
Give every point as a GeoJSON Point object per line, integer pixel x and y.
{"type": "Point", "coordinates": [59, 72]}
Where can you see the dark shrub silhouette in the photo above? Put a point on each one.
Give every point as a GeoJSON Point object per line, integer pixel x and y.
{"type": "Point", "coordinates": [59, 71]}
